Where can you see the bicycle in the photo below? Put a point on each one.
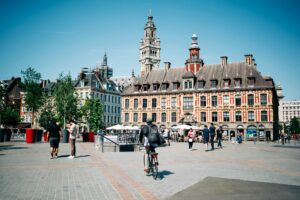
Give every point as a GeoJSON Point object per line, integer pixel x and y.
{"type": "Point", "coordinates": [153, 164]}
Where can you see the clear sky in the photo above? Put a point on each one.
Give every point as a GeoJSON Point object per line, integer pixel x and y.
{"type": "Point", "coordinates": [64, 35]}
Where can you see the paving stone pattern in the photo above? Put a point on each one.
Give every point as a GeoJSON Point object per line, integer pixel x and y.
{"type": "Point", "coordinates": [27, 172]}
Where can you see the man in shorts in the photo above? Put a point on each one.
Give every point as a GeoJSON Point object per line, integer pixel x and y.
{"type": "Point", "coordinates": [53, 136]}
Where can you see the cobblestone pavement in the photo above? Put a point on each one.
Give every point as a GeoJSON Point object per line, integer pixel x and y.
{"type": "Point", "coordinates": [27, 172]}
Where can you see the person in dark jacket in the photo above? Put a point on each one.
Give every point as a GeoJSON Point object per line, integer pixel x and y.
{"type": "Point", "coordinates": [53, 136]}
{"type": "Point", "coordinates": [219, 136]}
{"type": "Point", "coordinates": [205, 136]}
{"type": "Point", "coordinates": [212, 133]}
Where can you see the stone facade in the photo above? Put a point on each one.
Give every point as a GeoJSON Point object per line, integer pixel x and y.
{"type": "Point", "coordinates": [232, 95]}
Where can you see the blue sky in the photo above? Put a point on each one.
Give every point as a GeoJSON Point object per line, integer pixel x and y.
{"type": "Point", "coordinates": [64, 36]}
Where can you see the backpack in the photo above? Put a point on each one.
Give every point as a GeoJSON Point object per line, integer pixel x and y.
{"type": "Point", "coordinates": [154, 136]}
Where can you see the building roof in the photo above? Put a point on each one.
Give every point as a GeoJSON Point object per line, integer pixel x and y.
{"type": "Point", "coordinates": [207, 73]}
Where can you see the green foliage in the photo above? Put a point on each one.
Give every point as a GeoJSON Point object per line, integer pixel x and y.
{"type": "Point", "coordinates": [33, 91]}
{"type": "Point", "coordinates": [10, 116]}
{"type": "Point", "coordinates": [46, 116]}
{"type": "Point", "coordinates": [92, 111]}
{"type": "Point", "coordinates": [2, 101]}
{"type": "Point", "coordinates": [66, 101]}
{"type": "Point", "coordinates": [294, 126]}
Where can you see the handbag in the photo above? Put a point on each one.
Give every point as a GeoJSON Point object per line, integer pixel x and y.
{"type": "Point", "coordinates": [190, 139]}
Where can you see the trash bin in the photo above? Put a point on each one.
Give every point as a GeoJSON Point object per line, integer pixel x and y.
{"type": "Point", "coordinates": [91, 137]}
{"type": "Point", "coordinates": [38, 135]}
{"type": "Point", "coordinates": [1, 135]}
{"type": "Point", "coordinates": [65, 136]}
{"type": "Point", "coordinates": [7, 135]}
{"type": "Point", "coordinates": [45, 137]}
{"type": "Point", "coordinates": [30, 135]}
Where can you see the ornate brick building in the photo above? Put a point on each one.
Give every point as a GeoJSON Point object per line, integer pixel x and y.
{"type": "Point", "coordinates": [232, 95]}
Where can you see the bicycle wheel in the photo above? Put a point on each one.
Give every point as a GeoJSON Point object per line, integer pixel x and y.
{"type": "Point", "coordinates": [154, 169]}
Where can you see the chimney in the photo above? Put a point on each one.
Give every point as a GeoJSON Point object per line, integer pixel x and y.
{"type": "Point", "coordinates": [81, 75]}
{"type": "Point", "coordinates": [249, 59]}
{"type": "Point", "coordinates": [224, 60]}
{"type": "Point", "coordinates": [167, 66]}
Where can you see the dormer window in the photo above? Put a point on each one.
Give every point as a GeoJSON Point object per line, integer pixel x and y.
{"type": "Point", "coordinates": [237, 82]}
{"type": "Point", "coordinates": [214, 83]}
{"type": "Point", "coordinates": [145, 87]}
{"type": "Point", "coordinates": [164, 86]}
{"type": "Point", "coordinates": [201, 84]}
{"type": "Point", "coordinates": [155, 86]}
{"type": "Point", "coordinates": [136, 88]}
{"type": "Point", "coordinates": [226, 83]}
{"type": "Point", "coordinates": [175, 86]}
{"type": "Point", "coordinates": [188, 84]}
{"type": "Point", "coordinates": [251, 81]}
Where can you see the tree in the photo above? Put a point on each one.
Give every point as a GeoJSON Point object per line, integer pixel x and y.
{"type": "Point", "coordinates": [92, 112]}
{"type": "Point", "coordinates": [2, 101]}
{"type": "Point", "coordinates": [294, 126]}
{"type": "Point", "coordinates": [33, 91]}
{"type": "Point", "coordinates": [10, 116]}
{"type": "Point", "coordinates": [65, 99]}
{"type": "Point", "coordinates": [46, 116]}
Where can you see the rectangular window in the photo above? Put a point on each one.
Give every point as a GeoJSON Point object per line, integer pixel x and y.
{"type": "Point", "coordinates": [250, 116]}
{"type": "Point", "coordinates": [214, 117]}
{"type": "Point", "coordinates": [263, 99]}
{"type": "Point", "coordinates": [251, 81]}
{"type": "Point", "coordinates": [173, 102]}
{"type": "Point", "coordinates": [213, 83]}
{"type": "Point", "coordinates": [238, 100]}
{"type": "Point", "coordinates": [237, 82]}
{"type": "Point", "coordinates": [226, 116]}
{"type": "Point", "coordinates": [155, 87]}
{"type": "Point", "coordinates": [145, 87]}
{"type": "Point", "coordinates": [135, 117]}
{"type": "Point", "coordinates": [238, 116]}
{"type": "Point", "coordinates": [136, 103]}
{"type": "Point", "coordinates": [126, 117]}
{"type": "Point", "coordinates": [201, 84]}
{"type": "Point", "coordinates": [163, 117]}
{"type": "Point", "coordinates": [188, 84]}
{"type": "Point", "coordinates": [214, 101]}
{"type": "Point", "coordinates": [226, 99]}
{"type": "Point", "coordinates": [105, 97]}
{"type": "Point", "coordinates": [173, 116]}
{"type": "Point", "coordinates": [163, 103]}
{"type": "Point", "coordinates": [226, 83]}
{"type": "Point", "coordinates": [144, 103]}
{"type": "Point", "coordinates": [154, 117]}
{"type": "Point", "coordinates": [203, 116]}
{"type": "Point", "coordinates": [175, 86]}
{"type": "Point", "coordinates": [164, 86]}
{"type": "Point", "coordinates": [126, 103]}
{"type": "Point", "coordinates": [188, 103]}
{"type": "Point", "coordinates": [154, 103]}
{"type": "Point", "coordinates": [203, 101]}
{"type": "Point", "coordinates": [264, 116]}
{"type": "Point", "coordinates": [250, 100]}
{"type": "Point", "coordinates": [144, 117]}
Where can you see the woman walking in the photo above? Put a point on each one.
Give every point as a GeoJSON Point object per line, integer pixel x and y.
{"type": "Point", "coordinates": [190, 139]}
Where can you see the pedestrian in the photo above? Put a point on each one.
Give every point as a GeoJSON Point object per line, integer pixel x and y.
{"type": "Point", "coordinates": [73, 130]}
{"type": "Point", "coordinates": [205, 136]}
{"type": "Point", "coordinates": [190, 138]}
{"type": "Point", "coordinates": [168, 137]}
{"type": "Point", "coordinates": [212, 133]}
{"type": "Point", "coordinates": [282, 138]}
{"type": "Point", "coordinates": [219, 136]}
{"type": "Point", "coordinates": [53, 136]}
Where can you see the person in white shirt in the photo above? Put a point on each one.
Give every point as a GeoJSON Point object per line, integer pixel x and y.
{"type": "Point", "coordinates": [73, 130]}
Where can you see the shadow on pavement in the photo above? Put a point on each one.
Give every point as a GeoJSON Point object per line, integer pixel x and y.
{"type": "Point", "coordinates": [164, 173]}
{"type": "Point", "coordinates": [11, 147]}
{"type": "Point", "coordinates": [82, 156]}
{"type": "Point", "coordinates": [287, 146]}
{"type": "Point", "coordinates": [67, 155]}
{"type": "Point", "coordinates": [234, 189]}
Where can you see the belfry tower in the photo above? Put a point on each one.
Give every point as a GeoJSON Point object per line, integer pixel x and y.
{"type": "Point", "coordinates": [194, 62]}
{"type": "Point", "coordinates": [149, 48]}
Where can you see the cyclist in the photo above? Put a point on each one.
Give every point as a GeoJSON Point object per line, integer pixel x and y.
{"type": "Point", "coordinates": [149, 145]}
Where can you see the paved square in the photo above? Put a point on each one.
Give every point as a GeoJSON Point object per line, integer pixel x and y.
{"type": "Point", "coordinates": [27, 172]}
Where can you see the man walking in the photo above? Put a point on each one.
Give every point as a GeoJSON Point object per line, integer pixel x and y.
{"type": "Point", "coordinates": [212, 133]}
{"type": "Point", "coordinates": [53, 136]}
{"type": "Point", "coordinates": [205, 136]}
{"type": "Point", "coordinates": [219, 136]}
{"type": "Point", "coordinates": [73, 130]}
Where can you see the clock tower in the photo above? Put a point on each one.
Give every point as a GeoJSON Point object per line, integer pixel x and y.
{"type": "Point", "coordinates": [149, 48]}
